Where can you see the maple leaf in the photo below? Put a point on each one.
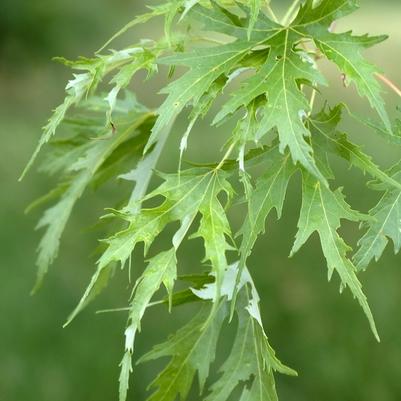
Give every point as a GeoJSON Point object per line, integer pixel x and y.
{"type": "Point", "coordinates": [328, 138]}
{"type": "Point", "coordinates": [251, 356]}
{"type": "Point", "coordinates": [269, 193]}
{"type": "Point", "coordinates": [186, 194]}
{"type": "Point", "coordinates": [344, 49]}
{"type": "Point", "coordinates": [272, 132]}
{"type": "Point", "coordinates": [155, 11]}
{"type": "Point", "coordinates": [255, 7]}
{"type": "Point", "coordinates": [322, 211]}
{"type": "Point", "coordinates": [125, 61]}
{"type": "Point", "coordinates": [207, 65]}
{"type": "Point", "coordinates": [187, 351]}
{"type": "Point", "coordinates": [385, 224]}
{"type": "Point", "coordinates": [200, 109]}
{"type": "Point", "coordinates": [145, 60]}
{"type": "Point", "coordinates": [80, 165]}
{"type": "Point", "coordinates": [161, 269]}
{"type": "Point", "coordinates": [286, 106]}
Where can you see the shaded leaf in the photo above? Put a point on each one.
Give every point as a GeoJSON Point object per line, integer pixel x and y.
{"type": "Point", "coordinates": [192, 350]}
{"type": "Point", "coordinates": [384, 225]}
{"type": "Point", "coordinates": [161, 269]}
{"type": "Point", "coordinates": [322, 211]}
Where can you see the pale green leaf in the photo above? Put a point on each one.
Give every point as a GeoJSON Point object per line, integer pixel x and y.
{"type": "Point", "coordinates": [126, 370]}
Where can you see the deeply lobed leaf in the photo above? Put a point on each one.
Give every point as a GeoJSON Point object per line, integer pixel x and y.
{"type": "Point", "coordinates": [269, 68]}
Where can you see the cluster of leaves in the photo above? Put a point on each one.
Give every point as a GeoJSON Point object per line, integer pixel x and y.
{"type": "Point", "coordinates": [277, 134]}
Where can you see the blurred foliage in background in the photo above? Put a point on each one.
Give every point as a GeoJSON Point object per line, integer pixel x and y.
{"type": "Point", "coordinates": [322, 335]}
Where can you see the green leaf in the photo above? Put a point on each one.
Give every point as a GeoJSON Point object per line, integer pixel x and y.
{"type": "Point", "coordinates": [385, 224]}
{"type": "Point", "coordinates": [206, 65]}
{"type": "Point", "coordinates": [324, 127]}
{"type": "Point", "coordinates": [192, 349]}
{"type": "Point", "coordinates": [76, 89]}
{"type": "Point", "coordinates": [219, 19]}
{"type": "Point", "coordinates": [378, 127]}
{"type": "Point", "coordinates": [200, 109]}
{"type": "Point", "coordinates": [85, 83]}
{"type": "Point", "coordinates": [286, 105]}
{"type": "Point", "coordinates": [126, 370]}
{"type": "Point", "coordinates": [322, 211]}
{"type": "Point", "coordinates": [344, 49]}
{"type": "Point", "coordinates": [161, 269]}
{"type": "Point", "coordinates": [214, 228]}
{"type": "Point", "coordinates": [49, 130]}
{"type": "Point", "coordinates": [270, 131]}
{"type": "Point", "coordinates": [187, 194]}
{"type": "Point", "coordinates": [188, 296]}
{"type": "Point", "coordinates": [251, 357]}
{"type": "Point", "coordinates": [82, 171]}
{"type": "Point", "coordinates": [255, 7]}
{"type": "Point", "coordinates": [269, 193]}
{"type": "Point", "coordinates": [154, 12]}
{"type": "Point", "coordinates": [325, 13]}
{"type": "Point", "coordinates": [188, 5]}
{"type": "Point", "coordinates": [144, 60]}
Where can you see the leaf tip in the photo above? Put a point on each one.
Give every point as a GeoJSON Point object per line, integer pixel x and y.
{"type": "Point", "coordinates": [38, 283]}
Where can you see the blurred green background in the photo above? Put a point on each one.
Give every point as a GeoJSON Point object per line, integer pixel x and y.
{"type": "Point", "coordinates": [321, 334]}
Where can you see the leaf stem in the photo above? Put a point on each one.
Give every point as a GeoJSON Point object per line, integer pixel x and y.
{"type": "Point", "coordinates": [312, 101]}
{"type": "Point", "coordinates": [226, 156]}
{"type": "Point", "coordinates": [389, 83]}
{"type": "Point", "coordinates": [128, 308]}
{"type": "Point", "coordinates": [98, 312]}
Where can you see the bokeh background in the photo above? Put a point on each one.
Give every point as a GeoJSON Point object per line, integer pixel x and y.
{"type": "Point", "coordinates": [321, 334]}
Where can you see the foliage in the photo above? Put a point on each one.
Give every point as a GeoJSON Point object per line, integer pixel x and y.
{"type": "Point", "coordinates": [277, 134]}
